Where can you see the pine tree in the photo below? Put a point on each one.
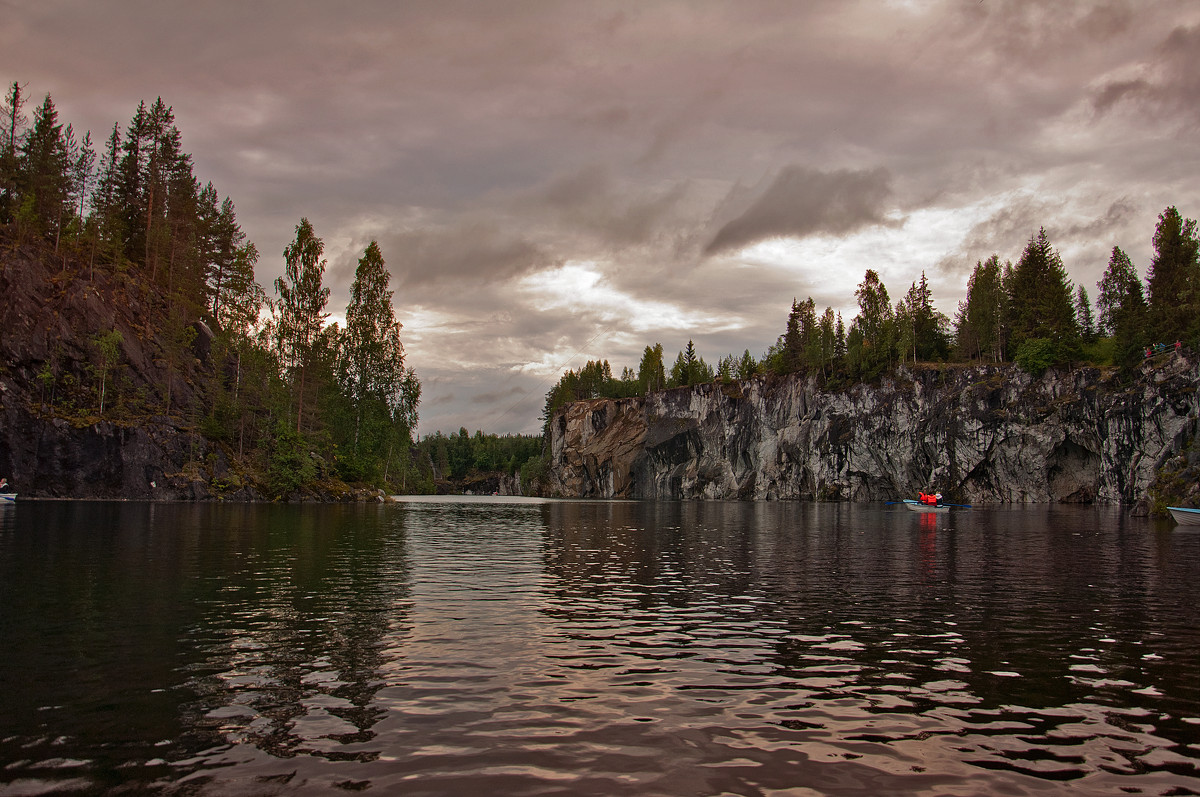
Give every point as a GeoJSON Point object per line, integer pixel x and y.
{"type": "Point", "coordinates": [828, 340]}
{"type": "Point", "coordinates": [793, 342]}
{"type": "Point", "coordinates": [128, 199]}
{"type": "Point", "coordinates": [227, 258]}
{"type": "Point", "coordinates": [1122, 303]}
{"type": "Point", "coordinates": [83, 176]}
{"type": "Point", "coordinates": [747, 367]}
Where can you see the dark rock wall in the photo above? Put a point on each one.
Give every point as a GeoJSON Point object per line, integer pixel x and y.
{"type": "Point", "coordinates": [53, 440]}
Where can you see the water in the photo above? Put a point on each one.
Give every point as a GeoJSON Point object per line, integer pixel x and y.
{"type": "Point", "coordinates": [592, 648]}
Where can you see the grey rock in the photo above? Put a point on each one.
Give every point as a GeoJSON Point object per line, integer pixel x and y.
{"type": "Point", "coordinates": [981, 434]}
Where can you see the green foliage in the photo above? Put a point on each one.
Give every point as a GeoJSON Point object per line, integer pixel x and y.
{"type": "Point", "coordinates": [1085, 319]}
{"type": "Point", "coordinates": [595, 380]}
{"type": "Point", "coordinates": [1040, 299]}
{"type": "Point", "coordinates": [689, 369]}
{"type": "Point", "coordinates": [108, 347]}
{"type": "Point", "coordinates": [535, 469]}
{"type": "Point", "coordinates": [1035, 355]}
{"type": "Point", "coordinates": [1174, 279]}
{"type": "Point", "coordinates": [747, 366]}
{"type": "Point", "coordinates": [299, 313]}
{"type": "Point", "coordinates": [174, 247]}
{"type": "Point", "coordinates": [651, 375]}
{"type": "Point", "coordinates": [872, 338]}
{"type": "Point", "coordinates": [921, 330]}
{"type": "Point", "coordinates": [289, 463]}
{"type": "Point", "coordinates": [460, 455]}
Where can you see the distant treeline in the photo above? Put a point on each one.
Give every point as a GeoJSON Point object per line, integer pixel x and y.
{"type": "Point", "coordinates": [131, 213]}
{"type": "Point", "coordinates": [1029, 313]}
{"type": "Point", "coordinates": [457, 457]}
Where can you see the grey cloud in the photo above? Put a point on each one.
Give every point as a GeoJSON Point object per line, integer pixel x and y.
{"type": "Point", "coordinates": [1171, 84]}
{"type": "Point", "coordinates": [592, 201]}
{"type": "Point", "coordinates": [1115, 218]}
{"type": "Point", "coordinates": [802, 201]}
{"type": "Point", "coordinates": [1118, 91]}
{"type": "Point", "coordinates": [475, 252]}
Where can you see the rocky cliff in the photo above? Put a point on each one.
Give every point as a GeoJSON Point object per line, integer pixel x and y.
{"type": "Point", "coordinates": [59, 440]}
{"type": "Point", "coordinates": [53, 440]}
{"type": "Point", "coordinates": [979, 434]}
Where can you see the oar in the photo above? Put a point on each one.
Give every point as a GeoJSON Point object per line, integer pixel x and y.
{"type": "Point", "coordinates": [961, 506]}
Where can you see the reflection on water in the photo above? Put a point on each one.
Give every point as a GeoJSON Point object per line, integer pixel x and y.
{"type": "Point", "coordinates": [514, 647]}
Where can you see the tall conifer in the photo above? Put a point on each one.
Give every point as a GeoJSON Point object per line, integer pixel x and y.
{"type": "Point", "coordinates": [1040, 298]}
{"type": "Point", "coordinates": [1174, 278]}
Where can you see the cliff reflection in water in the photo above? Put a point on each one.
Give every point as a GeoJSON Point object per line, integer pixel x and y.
{"type": "Point", "coordinates": [523, 647]}
{"type": "Point", "coordinates": [1051, 643]}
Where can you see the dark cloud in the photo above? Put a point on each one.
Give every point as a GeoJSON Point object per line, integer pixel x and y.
{"type": "Point", "coordinates": [802, 201]}
{"type": "Point", "coordinates": [617, 214]}
{"type": "Point", "coordinates": [474, 254]}
{"type": "Point", "coordinates": [1119, 90]}
{"type": "Point", "coordinates": [1170, 84]}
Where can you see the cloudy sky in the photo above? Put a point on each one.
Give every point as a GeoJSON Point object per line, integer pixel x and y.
{"type": "Point", "coordinates": [553, 182]}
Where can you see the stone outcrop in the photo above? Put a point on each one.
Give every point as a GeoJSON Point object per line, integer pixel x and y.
{"type": "Point", "coordinates": [977, 433]}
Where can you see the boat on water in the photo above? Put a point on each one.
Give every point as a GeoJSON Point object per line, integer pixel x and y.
{"type": "Point", "coordinates": [1184, 516]}
{"type": "Point", "coordinates": [7, 498]}
{"type": "Point", "coordinates": [917, 506]}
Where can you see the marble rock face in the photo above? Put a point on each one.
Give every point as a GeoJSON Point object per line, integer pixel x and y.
{"type": "Point", "coordinates": [981, 434]}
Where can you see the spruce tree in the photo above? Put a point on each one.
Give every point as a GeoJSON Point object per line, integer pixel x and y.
{"type": "Point", "coordinates": [981, 329]}
{"type": "Point", "coordinates": [44, 173]}
{"type": "Point", "coordinates": [1174, 278]}
{"type": "Point", "coordinates": [1121, 302]}
{"type": "Point", "coordinates": [1084, 316]}
{"type": "Point", "coordinates": [1040, 298]}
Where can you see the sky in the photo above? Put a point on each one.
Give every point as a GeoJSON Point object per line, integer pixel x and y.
{"type": "Point", "coordinates": [553, 182]}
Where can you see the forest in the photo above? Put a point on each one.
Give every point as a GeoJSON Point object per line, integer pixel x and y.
{"type": "Point", "coordinates": [293, 397]}
{"type": "Point", "coordinates": [1029, 313]}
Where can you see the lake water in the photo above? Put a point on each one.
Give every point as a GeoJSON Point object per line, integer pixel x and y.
{"type": "Point", "coordinates": [513, 647]}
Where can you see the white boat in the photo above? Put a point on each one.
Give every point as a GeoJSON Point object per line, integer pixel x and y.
{"type": "Point", "coordinates": [917, 506]}
{"type": "Point", "coordinates": [7, 498]}
{"type": "Point", "coordinates": [1184, 516]}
